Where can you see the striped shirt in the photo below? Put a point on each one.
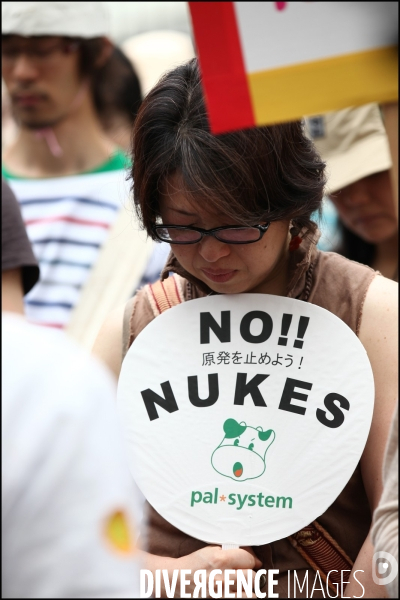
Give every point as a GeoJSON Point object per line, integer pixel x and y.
{"type": "Point", "coordinates": [68, 220]}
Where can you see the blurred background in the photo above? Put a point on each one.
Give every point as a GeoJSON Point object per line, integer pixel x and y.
{"type": "Point", "coordinates": [131, 18]}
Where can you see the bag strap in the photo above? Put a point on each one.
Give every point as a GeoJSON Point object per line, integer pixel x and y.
{"type": "Point", "coordinates": [313, 543]}
{"type": "Point", "coordinates": [322, 552]}
{"type": "Point", "coordinates": [164, 294]}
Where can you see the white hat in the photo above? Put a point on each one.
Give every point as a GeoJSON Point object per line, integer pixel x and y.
{"type": "Point", "coordinates": [352, 142]}
{"type": "Point", "coordinates": [155, 52]}
{"type": "Point", "coordinates": [70, 19]}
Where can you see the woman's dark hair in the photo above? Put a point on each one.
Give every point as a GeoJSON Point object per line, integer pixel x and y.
{"type": "Point", "coordinates": [115, 84]}
{"type": "Point", "coordinates": [355, 248]}
{"type": "Point", "coordinates": [251, 176]}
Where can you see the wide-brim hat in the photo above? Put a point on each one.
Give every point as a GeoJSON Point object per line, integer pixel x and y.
{"type": "Point", "coordinates": [70, 19]}
{"type": "Point", "coordinates": [352, 142]}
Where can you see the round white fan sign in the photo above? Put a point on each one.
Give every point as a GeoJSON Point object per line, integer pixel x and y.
{"type": "Point", "coordinates": [245, 415]}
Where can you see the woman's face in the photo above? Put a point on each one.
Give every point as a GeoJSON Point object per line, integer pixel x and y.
{"type": "Point", "coordinates": [226, 268]}
{"type": "Point", "coordinates": [366, 207]}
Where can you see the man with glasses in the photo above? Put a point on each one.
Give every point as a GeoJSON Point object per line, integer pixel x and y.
{"type": "Point", "coordinates": [69, 177]}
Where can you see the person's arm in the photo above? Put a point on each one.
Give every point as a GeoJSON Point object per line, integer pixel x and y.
{"type": "Point", "coordinates": [385, 529]}
{"type": "Point", "coordinates": [378, 333]}
{"type": "Point", "coordinates": [12, 295]}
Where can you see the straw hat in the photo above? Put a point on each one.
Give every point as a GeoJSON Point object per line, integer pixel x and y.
{"type": "Point", "coordinates": [70, 19]}
{"type": "Point", "coordinates": [352, 142]}
{"type": "Point", "coordinates": [155, 52]}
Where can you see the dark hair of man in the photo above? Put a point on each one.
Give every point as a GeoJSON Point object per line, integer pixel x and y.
{"type": "Point", "coordinates": [250, 176]}
{"type": "Point", "coordinates": [115, 84]}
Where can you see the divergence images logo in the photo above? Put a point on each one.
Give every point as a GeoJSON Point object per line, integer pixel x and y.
{"type": "Point", "coordinates": [241, 454]}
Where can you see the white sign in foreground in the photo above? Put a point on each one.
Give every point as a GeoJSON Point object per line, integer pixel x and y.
{"type": "Point", "coordinates": [245, 415]}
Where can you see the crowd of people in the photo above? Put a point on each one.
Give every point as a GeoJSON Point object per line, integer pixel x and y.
{"type": "Point", "coordinates": [101, 147]}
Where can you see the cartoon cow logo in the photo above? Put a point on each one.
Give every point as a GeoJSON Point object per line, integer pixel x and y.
{"type": "Point", "coordinates": [241, 454]}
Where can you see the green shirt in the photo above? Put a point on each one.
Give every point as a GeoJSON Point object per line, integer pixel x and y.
{"type": "Point", "coordinates": [118, 160]}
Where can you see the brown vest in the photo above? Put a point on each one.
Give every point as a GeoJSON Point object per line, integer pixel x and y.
{"type": "Point", "coordinates": [340, 286]}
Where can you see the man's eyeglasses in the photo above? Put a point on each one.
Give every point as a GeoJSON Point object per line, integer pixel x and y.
{"type": "Point", "coordinates": [176, 234]}
{"type": "Point", "coordinates": [40, 53]}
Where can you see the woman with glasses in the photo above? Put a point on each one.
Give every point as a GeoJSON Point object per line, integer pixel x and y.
{"type": "Point", "coordinates": [236, 210]}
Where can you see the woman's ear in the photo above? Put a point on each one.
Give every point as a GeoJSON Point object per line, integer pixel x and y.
{"type": "Point", "coordinates": [294, 229]}
{"type": "Point", "coordinates": [105, 52]}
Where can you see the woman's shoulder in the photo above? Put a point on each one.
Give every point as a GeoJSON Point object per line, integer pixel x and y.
{"type": "Point", "coordinates": [353, 279]}
{"type": "Point", "coordinates": [342, 266]}
{"type": "Point", "coordinates": [340, 285]}
{"type": "Point", "coordinates": [380, 310]}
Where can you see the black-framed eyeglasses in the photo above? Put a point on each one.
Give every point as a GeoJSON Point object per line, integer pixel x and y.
{"type": "Point", "coordinates": [177, 234]}
{"type": "Point", "coordinates": [42, 52]}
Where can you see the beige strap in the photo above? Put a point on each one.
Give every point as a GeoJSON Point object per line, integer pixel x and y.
{"type": "Point", "coordinates": [164, 294]}
{"type": "Point", "coordinates": [114, 278]}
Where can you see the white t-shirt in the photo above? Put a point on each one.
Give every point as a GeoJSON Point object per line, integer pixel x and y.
{"type": "Point", "coordinates": [70, 507]}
